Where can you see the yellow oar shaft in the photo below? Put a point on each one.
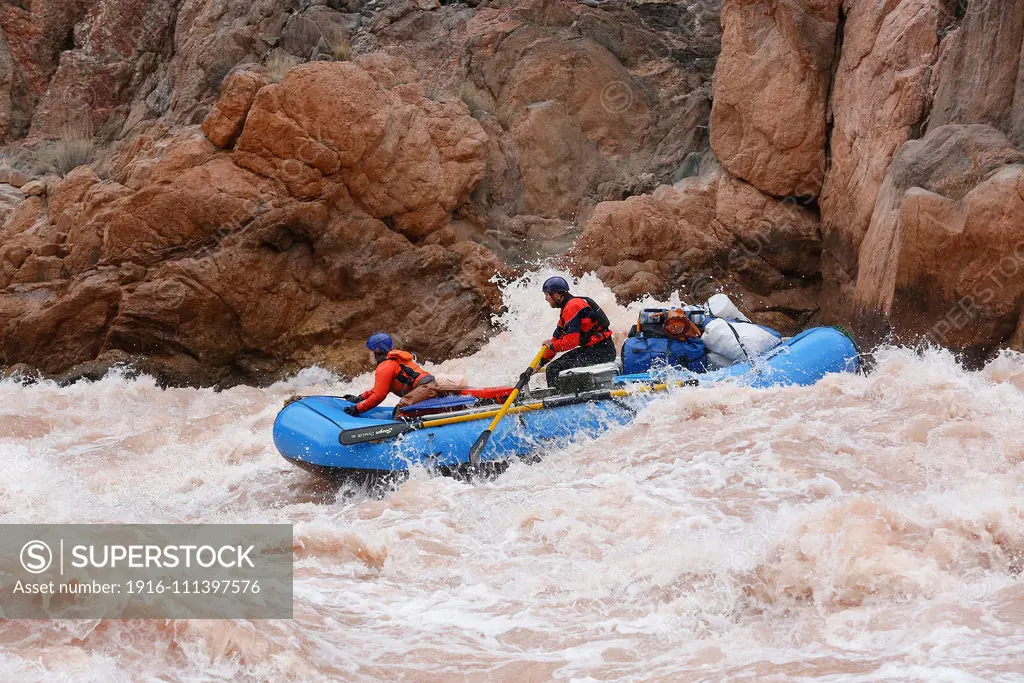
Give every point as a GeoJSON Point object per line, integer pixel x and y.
{"type": "Point", "coordinates": [481, 441]}
{"type": "Point", "coordinates": [515, 392]}
{"type": "Point", "coordinates": [482, 415]}
{"type": "Point", "coordinates": [536, 405]}
{"type": "Point", "coordinates": [642, 389]}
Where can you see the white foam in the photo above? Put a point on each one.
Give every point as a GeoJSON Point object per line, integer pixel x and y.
{"type": "Point", "coordinates": [866, 528]}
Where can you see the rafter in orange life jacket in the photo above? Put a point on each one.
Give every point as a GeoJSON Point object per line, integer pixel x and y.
{"type": "Point", "coordinates": [397, 373]}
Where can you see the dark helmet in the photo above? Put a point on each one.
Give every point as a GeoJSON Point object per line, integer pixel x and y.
{"type": "Point", "coordinates": [380, 342]}
{"type": "Point", "coordinates": [556, 284]}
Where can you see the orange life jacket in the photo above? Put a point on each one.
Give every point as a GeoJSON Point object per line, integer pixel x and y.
{"type": "Point", "coordinates": [409, 374]}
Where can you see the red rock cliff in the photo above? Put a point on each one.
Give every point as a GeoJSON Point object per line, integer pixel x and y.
{"type": "Point", "coordinates": [225, 191]}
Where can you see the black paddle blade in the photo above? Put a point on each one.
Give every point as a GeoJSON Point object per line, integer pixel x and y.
{"type": "Point", "coordinates": [350, 437]}
{"type": "Point", "coordinates": [478, 447]}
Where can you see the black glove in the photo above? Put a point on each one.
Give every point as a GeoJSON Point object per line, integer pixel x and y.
{"type": "Point", "coordinates": [352, 410]}
{"type": "Point", "coordinates": [524, 378]}
{"type": "Point", "coordinates": [352, 398]}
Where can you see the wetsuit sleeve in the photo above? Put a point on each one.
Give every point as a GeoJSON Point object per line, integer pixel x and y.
{"type": "Point", "coordinates": [386, 372]}
{"type": "Point", "coordinates": [573, 314]}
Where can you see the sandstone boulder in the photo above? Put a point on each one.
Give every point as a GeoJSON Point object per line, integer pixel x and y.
{"type": "Point", "coordinates": [36, 188]}
{"type": "Point", "coordinates": [399, 155]}
{"type": "Point", "coordinates": [193, 195]}
{"type": "Point", "coordinates": [707, 234]}
{"type": "Point", "coordinates": [944, 255]}
{"type": "Point", "coordinates": [210, 271]}
{"type": "Point", "coordinates": [224, 123]}
{"type": "Point", "coordinates": [771, 89]}
{"type": "Point", "coordinates": [644, 243]}
{"type": "Point", "coordinates": [59, 329]}
{"type": "Point", "coordinates": [879, 99]}
{"type": "Point", "coordinates": [13, 177]}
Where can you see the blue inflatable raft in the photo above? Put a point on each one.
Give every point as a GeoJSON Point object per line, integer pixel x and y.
{"type": "Point", "coordinates": [316, 434]}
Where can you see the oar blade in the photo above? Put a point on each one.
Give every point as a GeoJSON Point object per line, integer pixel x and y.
{"type": "Point", "coordinates": [478, 447]}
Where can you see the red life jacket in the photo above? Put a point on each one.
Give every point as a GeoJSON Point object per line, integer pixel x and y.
{"type": "Point", "coordinates": [581, 322]}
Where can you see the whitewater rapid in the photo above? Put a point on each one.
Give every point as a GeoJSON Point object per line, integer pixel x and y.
{"type": "Point", "coordinates": [867, 528]}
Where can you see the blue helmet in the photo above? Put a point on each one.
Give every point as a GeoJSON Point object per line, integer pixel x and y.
{"type": "Point", "coordinates": [555, 284]}
{"type": "Point", "coordinates": [380, 342]}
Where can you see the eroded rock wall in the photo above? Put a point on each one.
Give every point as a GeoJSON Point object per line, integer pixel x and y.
{"type": "Point", "coordinates": [214, 265]}
{"type": "Point", "coordinates": [266, 182]}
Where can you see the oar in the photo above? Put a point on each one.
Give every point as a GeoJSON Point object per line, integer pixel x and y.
{"type": "Point", "coordinates": [481, 441]}
{"type": "Point", "coordinates": [351, 437]}
{"type": "Point", "coordinates": [390, 430]}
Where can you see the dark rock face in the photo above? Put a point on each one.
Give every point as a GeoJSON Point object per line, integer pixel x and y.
{"type": "Point", "coordinates": [980, 77]}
